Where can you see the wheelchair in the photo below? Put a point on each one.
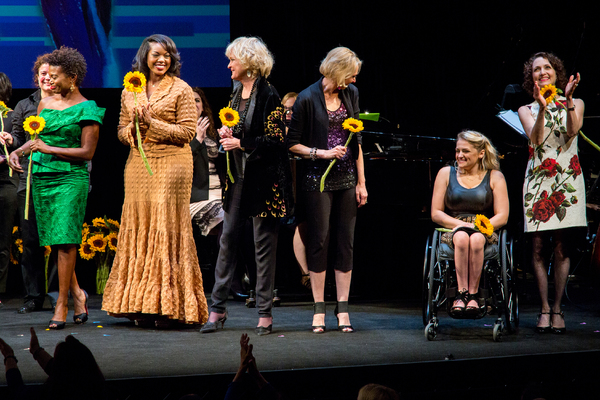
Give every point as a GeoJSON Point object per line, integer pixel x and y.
{"type": "Point", "coordinates": [497, 288]}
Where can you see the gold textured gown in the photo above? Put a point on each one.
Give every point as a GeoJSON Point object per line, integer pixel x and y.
{"type": "Point", "coordinates": [156, 269]}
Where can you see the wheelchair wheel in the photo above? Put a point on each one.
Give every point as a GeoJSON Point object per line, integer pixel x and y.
{"type": "Point", "coordinates": [425, 288]}
{"type": "Point", "coordinates": [498, 331]}
{"type": "Point", "coordinates": [510, 293]}
{"type": "Point", "coordinates": [431, 280]}
{"type": "Point", "coordinates": [431, 331]}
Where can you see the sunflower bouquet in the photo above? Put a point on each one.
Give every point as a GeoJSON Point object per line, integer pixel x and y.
{"type": "Point", "coordinates": [354, 126]}
{"type": "Point", "coordinates": [99, 243]}
{"type": "Point", "coordinates": [3, 113]}
{"type": "Point", "coordinates": [230, 118]}
{"type": "Point", "coordinates": [135, 82]}
{"type": "Point", "coordinates": [32, 125]}
{"type": "Point", "coordinates": [550, 93]}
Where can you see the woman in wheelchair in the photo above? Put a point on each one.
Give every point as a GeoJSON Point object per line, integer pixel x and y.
{"type": "Point", "coordinates": [473, 185]}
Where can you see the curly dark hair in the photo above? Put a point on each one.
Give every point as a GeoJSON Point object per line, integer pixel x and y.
{"type": "Point", "coordinates": [70, 61]}
{"type": "Point", "coordinates": [207, 112]}
{"type": "Point", "coordinates": [557, 64]}
{"type": "Point", "coordinates": [140, 62]}
{"type": "Point", "coordinates": [41, 60]}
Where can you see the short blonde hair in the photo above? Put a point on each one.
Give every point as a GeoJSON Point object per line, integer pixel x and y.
{"type": "Point", "coordinates": [481, 142]}
{"type": "Point", "coordinates": [253, 54]}
{"type": "Point", "coordinates": [340, 64]}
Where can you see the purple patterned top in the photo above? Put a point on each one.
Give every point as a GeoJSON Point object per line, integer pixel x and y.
{"type": "Point", "coordinates": [343, 174]}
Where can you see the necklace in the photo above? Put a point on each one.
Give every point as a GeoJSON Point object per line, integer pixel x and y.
{"type": "Point", "coordinates": [236, 105]}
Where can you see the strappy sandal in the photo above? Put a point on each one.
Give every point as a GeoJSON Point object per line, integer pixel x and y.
{"type": "Point", "coordinates": [544, 329]}
{"type": "Point", "coordinates": [340, 308]}
{"type": "Point", "coordinates": [471, 310]}
{"type": "Point", "coordinates": [458, 308]}
{"type": "Point", "coordinates": [558, 331]}
{"type": "Point", "coordinates": [319, 308]}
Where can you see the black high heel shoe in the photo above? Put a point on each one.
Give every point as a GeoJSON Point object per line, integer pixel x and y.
{"type": "Point", "coordinates": [543, 329]}
{"type": "Point", "coordinates": [558, 331]}
{"type": "Point", "coordinates": [56, 325]}
{"type": "Point", "coordinates": [319, 308]}
{"type": "Point", "coordinates": [210, 327]}
{"type": "Point", "coordinates": [82, 318]}
{"type": "Point", "coordinates": [342, 307]}
{"type": "Point", "coordinates": [263, 330]}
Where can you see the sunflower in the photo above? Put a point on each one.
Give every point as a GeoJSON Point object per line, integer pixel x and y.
{"type": "Point", "coordinates": [47, 251]}
{"type": "Point", "coordinates": [549, 92]}
{"type": "Point", "coordinates": [86, 252]}
{"type": "Point", "coordinates": [97, 243]}
{"type": "Point", "coordinates": [134, 82]}
{"type": "Point", "coordinates": [34, 124]}
{"type": "Point", "coordinates": [353, 125]}
{"type": "Point", "coordinates": [112, 241]}
{"type": "Point", "coordinates": [115, 224]}
{"type": "Point", "coordinates": [483, 225]}
{"type": "Point", "coordinates": [4, 109]}
{"type": "Point", "coordinates": [229, 117]}
{"type": "Point", "coordinates": [99, 223]}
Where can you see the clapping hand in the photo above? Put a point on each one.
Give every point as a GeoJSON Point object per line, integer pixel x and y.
{"type": "Point", "coordinates": [572, 85]}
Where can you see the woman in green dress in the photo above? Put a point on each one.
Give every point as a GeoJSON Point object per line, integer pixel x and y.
{"type": "Point", "coordinates": [60, 178]}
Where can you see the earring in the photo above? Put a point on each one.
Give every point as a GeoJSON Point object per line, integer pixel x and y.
{"type": "Point", "coordinates": [72, 87]}
{"type": "Point", "coordinates": [249, 73]}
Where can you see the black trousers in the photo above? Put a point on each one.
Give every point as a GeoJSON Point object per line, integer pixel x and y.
{"type": "Point", "coordinates": [8, 212]}
{"type": "Point", "coordinates": [266, 232]}
{"type": "Point", "coordinates": [330, 216]}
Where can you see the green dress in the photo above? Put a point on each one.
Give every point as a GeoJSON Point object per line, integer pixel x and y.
{"type": "Point", "coordinates": [60, 187]}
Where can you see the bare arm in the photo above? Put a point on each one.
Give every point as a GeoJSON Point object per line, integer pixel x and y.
{"type": "Point", "coordinates": [361, 186]}
{"type": "Point", "coordinates": [501, 202]}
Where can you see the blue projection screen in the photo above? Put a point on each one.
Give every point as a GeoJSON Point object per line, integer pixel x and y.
{"type": "Point", "coordinates": [108, 34]}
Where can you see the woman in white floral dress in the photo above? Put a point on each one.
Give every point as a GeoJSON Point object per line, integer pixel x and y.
{"type": "Point", "coordinates": [554, 190]}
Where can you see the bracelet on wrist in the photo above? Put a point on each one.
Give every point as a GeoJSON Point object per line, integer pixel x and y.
{"type": "Point", "coordinates": [12, 356]}
{"type": "Point", "coordinates": [313, 153]}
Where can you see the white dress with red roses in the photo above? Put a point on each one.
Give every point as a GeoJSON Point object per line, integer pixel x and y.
{"type": "Point", "coordinates": [554, 190]}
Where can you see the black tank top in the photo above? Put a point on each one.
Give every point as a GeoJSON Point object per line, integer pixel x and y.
{"type": "Point", "coordinates": [462, 201]}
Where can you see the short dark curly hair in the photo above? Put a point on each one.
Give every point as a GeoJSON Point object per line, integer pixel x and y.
{"type": "Point", "coordinates": [140, 62]}
{"type": "Point", "coordinates": [41, 60]}
{"type": "Point", "coordinates": [70, 61]}
{"type": "Point", "coordinates": [557, 64]}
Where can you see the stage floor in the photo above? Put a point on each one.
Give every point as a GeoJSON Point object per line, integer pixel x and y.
{"type": "Point", "coordinates": [389, 337]}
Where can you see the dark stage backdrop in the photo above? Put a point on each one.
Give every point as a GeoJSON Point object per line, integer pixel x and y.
{"type": "Point", "coordinates": [429, 70]}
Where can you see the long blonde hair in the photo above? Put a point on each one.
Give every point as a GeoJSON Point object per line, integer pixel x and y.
{"type": "Point", "coordinates": [481, 142]}
{"type": "Point", "coordinates": [340, 64]}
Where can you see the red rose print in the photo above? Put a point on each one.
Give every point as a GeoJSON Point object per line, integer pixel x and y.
{"type": "Point", "coordinates": [531, 152]}
{"type": "Point", "coordinates": [575, 166]}
{"type": "Point", "coordinates": [543, 210]}
{"type": "Point", "coordinates": [549, 167]}
{"type": "Point", "coordinates": [557, 198]}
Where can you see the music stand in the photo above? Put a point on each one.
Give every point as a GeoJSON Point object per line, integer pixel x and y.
{"type": "Point", "coordinates": [509, 117]}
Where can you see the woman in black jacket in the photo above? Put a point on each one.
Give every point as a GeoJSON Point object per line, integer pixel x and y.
{"type": "Point", "coordinates": [317, 135]}
{"type": "Point", "coordinates": [261, 187]}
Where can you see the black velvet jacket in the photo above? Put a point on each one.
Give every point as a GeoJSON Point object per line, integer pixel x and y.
{"type": "Point", "coordinates": [267, 189]}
